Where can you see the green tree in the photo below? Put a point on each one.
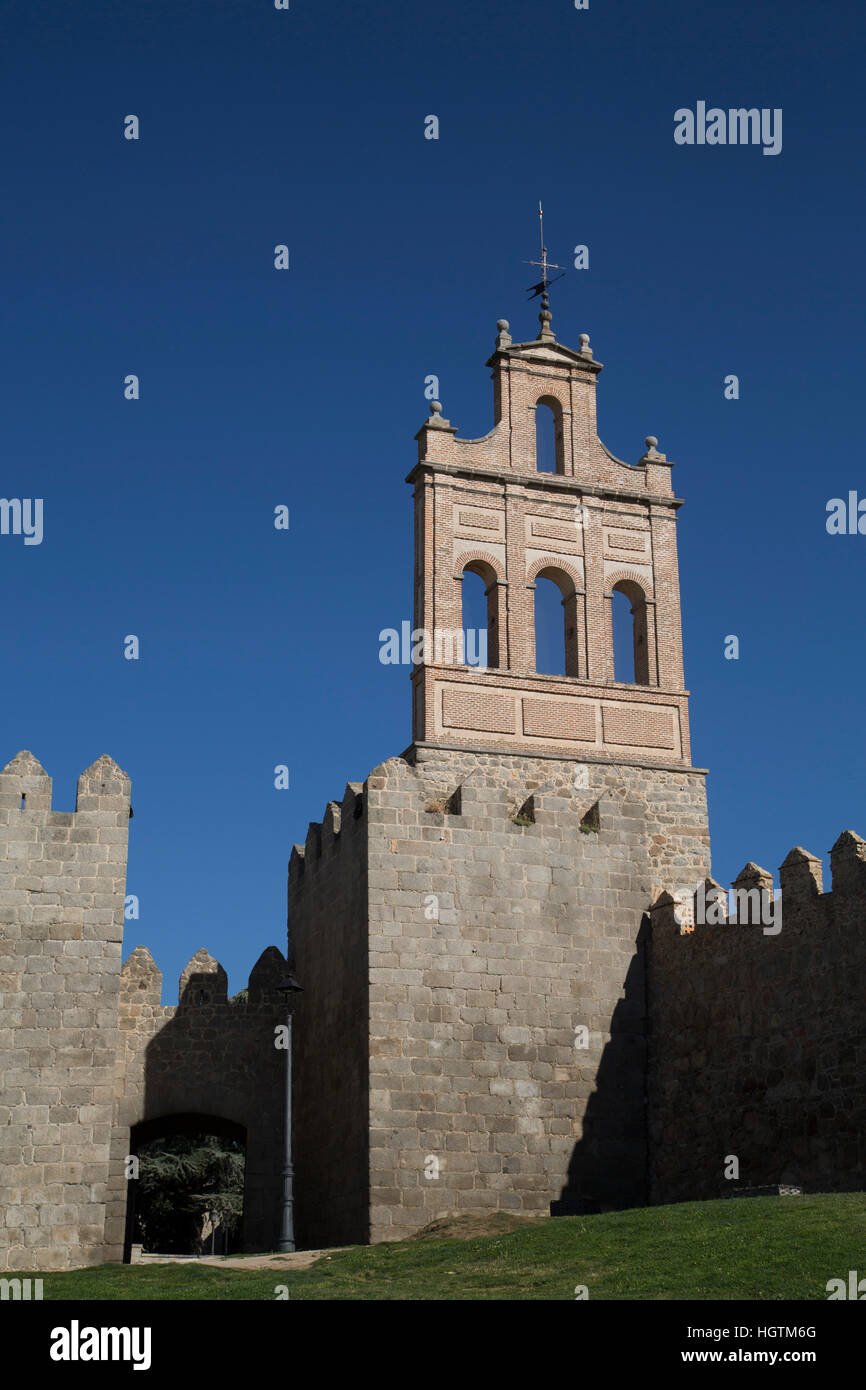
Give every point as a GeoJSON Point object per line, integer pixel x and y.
{"type": "Point", "coordinates": [182, 1178]}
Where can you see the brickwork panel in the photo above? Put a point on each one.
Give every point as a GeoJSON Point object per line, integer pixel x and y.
{"type": "Point", "coordinates": [566, 719]}
{"type": "Point", "coordinates": [552, 530]}
{"type": "Point", "coordinates": [477, 710]}
{"type": "Point", "coordinates": [620, 540]}
{"type": "Point", "coordinates": [639, 727]}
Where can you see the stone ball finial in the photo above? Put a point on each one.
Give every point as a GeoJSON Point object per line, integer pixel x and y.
{"type": "Point", "coordinates": [651, 441]}
{"type": "Point", "coordinates": [503, 325]}
{"type": "Point", "coordinates": [583, 339]}
{"type": "Point", "coordinates": [435, 408]}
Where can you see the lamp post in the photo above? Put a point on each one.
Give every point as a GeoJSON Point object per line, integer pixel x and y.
{"type": "Point", "coordinates": [287, 988]}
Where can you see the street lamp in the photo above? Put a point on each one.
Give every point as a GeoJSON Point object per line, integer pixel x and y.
{"type": "Point", "coordinates": [287, 988]}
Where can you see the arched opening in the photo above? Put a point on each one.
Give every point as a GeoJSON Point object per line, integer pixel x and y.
{"type": "Point", "coordinates": [186, 1190]}
{"type": "Point", "coordinates": [556, 643]}
{"type": "Point", "coordinates": [480, 618]}
{"type": "Point", "coordinates": [630, 644]}
{"type": "Point", "coordinates": [548, 435]}
{"type": "Point", "coordinates": [549, 636]}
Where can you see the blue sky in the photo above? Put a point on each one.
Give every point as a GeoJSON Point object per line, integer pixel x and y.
{"type": "Point", "coordinates": [306, 387]}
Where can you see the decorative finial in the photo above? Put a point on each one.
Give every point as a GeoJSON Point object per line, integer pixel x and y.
{"type": "Point", "coordinates": [437, 420]}
{"type": "Point", "coordinates": [585, 349]}
{"type": "Point", "coordinates": [652, 454]}
{"type": "Point", "coordinates": [504, 337]}
{"type": "Point", "coordinates": [545, 318]}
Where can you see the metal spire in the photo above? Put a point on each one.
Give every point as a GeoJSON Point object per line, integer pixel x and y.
{"type": "Point", "coordinates": [542, 287]}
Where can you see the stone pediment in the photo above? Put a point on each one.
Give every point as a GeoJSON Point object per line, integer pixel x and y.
{"type": "Point", "coordinates": [547, 353]}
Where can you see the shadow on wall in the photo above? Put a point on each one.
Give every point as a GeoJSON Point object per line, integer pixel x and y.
{"type": "Point", "coordinates": [608, 1167]}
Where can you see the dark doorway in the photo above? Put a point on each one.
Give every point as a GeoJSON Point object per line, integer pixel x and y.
{"type": "Point", "coordinates": [188, 1195]}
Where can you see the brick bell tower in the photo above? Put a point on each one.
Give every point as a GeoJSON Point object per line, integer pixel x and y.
{"type": "Point", "coordinates": [470, 922]}
{"type": "Point", "coordinates": [595, 526]}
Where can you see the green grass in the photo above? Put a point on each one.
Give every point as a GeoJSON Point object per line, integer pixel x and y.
{"type": "Point", "coordinates": [741, 1248]}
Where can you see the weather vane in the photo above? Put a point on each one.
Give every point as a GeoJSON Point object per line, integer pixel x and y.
{"type": "Point", "coordinates": [545, 265]}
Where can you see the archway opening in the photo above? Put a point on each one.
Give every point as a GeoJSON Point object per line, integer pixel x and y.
{"type": "Point", "coordinates": [630, 634]}
{"type": "Point", "coordinates": [186, 1188]}
{"type": "Point", "coordinates": [557, 640]}
{"type": "Point", "coordinates": [480, 617]}
{"type": "Point", "coordinates": [550, 647]}
{"type": "Point", "coordinates": [474, 619]}
{"type": "Point", "coordinates": [548, 435]}
{"type": "Point", "coordinates": [623, 638]}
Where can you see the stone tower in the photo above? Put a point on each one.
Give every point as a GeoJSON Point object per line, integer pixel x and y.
{"type": "Point", "coordinates": [62, 882]}
{"type": "Point", "coordinates": [468, 923]}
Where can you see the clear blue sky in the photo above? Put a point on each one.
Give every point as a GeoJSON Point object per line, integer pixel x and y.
{"type": "Point", "coordinates": [305, 387]}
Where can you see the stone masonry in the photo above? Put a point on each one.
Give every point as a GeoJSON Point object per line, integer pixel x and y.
{"type": "Point", "coordinates": [474, 1034]}
{"type": "Point", "coordinates": [490, 936]}
{"type": "Point", "coordinates": [328, 912]}
{"type": "Point", "coordinates": [758, 1041]}
{"type": "Point", "coordinates": [92, 1063]}
{"type": "Point", "coordinates": [208, 1064]}
{"type": "Point", "coordinates": [62, 877]}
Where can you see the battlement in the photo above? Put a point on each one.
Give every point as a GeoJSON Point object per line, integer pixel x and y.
{"type": "Point", "coordinates": [62, 873]}
{"type": "Point", "coordinates": [325, 837]}
{"type": "Point", "coordinates": [103, 789]}
{"type": "Point", "coordinates": [756, 1030]}
{"type": "Point", "coordinates": [754, 901]}
{"type": "Point", "coordinates": [203, 982]}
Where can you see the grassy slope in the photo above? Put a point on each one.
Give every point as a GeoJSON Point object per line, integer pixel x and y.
{"type": "Point", "coordinates": [748, 1248]}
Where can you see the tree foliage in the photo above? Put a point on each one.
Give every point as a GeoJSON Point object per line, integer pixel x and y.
{"type": "Point", "coordinates": [181, 1179]}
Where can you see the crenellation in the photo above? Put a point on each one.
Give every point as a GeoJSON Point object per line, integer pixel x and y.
{"type": "Point", "coordinates": [800, 875]}
{"type": "Point", "coordinates": [768, 1004]}
{"type": "Point", "coordinates": [66, 967]}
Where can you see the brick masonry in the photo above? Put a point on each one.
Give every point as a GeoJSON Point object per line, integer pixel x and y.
{"type": "Point", "coordinates": [596, 526]}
